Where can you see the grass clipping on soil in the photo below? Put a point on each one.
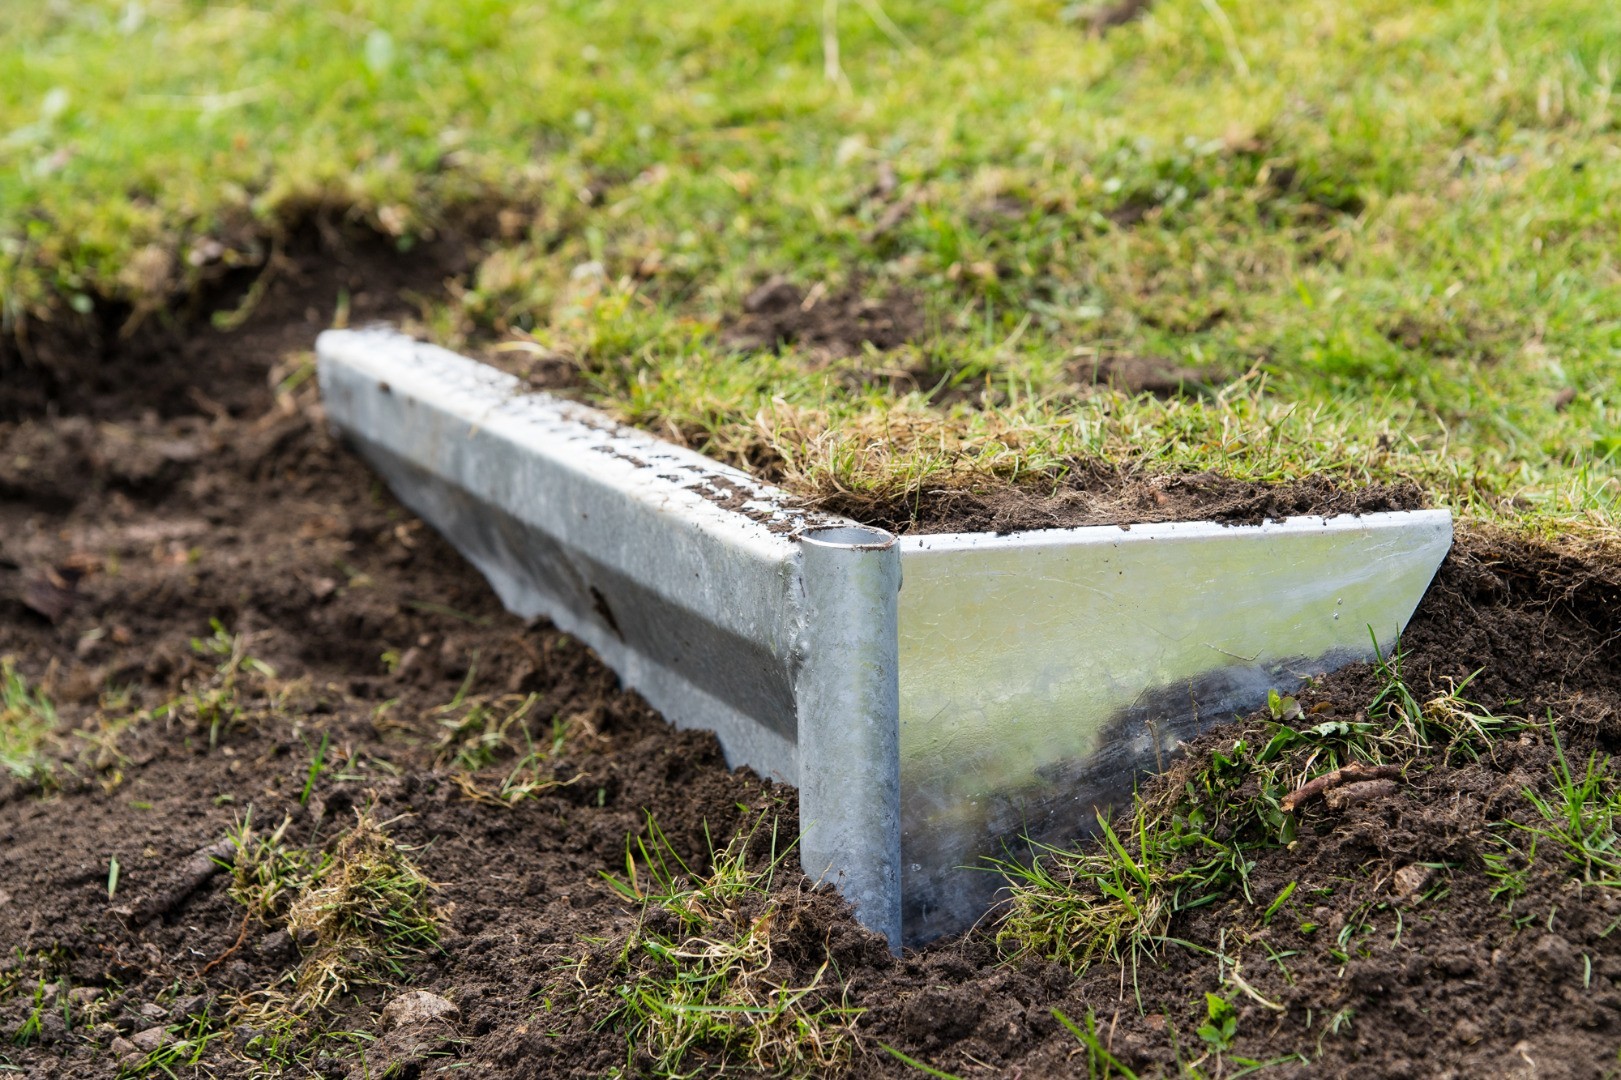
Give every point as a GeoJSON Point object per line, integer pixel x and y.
{"type": "Point", "coordinates": [27, 719]}
{"type": "Point", "coordinates": [700, 976]}
{"type": "Point", "coordinates": [357, 911]}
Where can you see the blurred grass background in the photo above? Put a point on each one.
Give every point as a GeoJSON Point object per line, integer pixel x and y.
{"type": "Point", "coordinates": [1381, 235]}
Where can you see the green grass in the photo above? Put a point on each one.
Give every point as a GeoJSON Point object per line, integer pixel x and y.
{"type": "Point", "coordinates": [1579, 818]}
{"type": "Point", "coordinates": [266, 871]}
{"type": "Point", "coordinates": [697, 987]}
{"type": "Point", "coordinates": [365, 910]}
{"type": "Point", "coordinates": [358, 911]}
{"type": "Point", "coordinates": [1216, 1034]}
{"type": "Point", "coordinates": [1101, 1064]}
{"type": "Point", "coordinates": [28, 1031]}
{"type": "Point", "coordinates": [1575, 825]}
{"type": "Point", "coordinates": [238, 694]}
{"type": "Point", "coordinates": [187, 1044]}
{"type": "Point", "coordinates": [27, 720]}
{"type": "Point", "coordinates": [1384, 229]}
{"type": "Point", "coordinates": [477, 731]}
{"type": "Point", "coordinates": [317, 766]}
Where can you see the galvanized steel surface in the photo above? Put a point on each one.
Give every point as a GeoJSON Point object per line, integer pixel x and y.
{"type": "Point", "coordinates": [619, 538]}
{"type": "Point", "coordinates": [849, 697]}
{"type": "Point", "coordinates": [1042, 673]}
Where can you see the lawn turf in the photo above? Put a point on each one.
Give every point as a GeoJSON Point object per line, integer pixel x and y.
{"type": "Point", "coordinates": [1381, 235]}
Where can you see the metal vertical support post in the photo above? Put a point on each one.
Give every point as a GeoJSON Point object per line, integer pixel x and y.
{"type": "Point", "coordinates": [848, 694]}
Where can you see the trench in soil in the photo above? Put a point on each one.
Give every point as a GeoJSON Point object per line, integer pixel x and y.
{"type": "Point", "coordinates": [173, 486]}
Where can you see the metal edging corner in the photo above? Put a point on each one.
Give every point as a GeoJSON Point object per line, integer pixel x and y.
{"type": "Point", "coordinates": [1018, 681]}
{"type": "Point", "coordinates": [725, 603]}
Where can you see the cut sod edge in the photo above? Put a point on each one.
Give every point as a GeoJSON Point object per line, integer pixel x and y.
{"type": "Point", "coordinates": [1016, 684]}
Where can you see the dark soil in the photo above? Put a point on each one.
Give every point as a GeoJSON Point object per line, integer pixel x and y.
{"type": "Point", "coordinates": [1100, 18]}
{"type": "Point", "coordinates": [132, 512]}
{"type": "Point", "coordinates": [114, 363]}
{"type": "Point", "coordinates": [822, 324]}
{"type": "Point", "coordinates": [1143, 375]}
{"type": "Point", "coordinates": [1098, 493]}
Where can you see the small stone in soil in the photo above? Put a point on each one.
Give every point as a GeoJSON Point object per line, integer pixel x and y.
{"type": "Point", "coordinates": [197, 1005]}
{"type": "Point", "coordinates": [52, 1028]}
{"type": "Point", "coordinates": [1412, 880]}
{"type": "Point", "coordinates": [276, 946]}
{"type": "Point", "coordinates": [1553, 955]}
{"type": "Point", "coordinates": [416, 1007]}
{"type": "Point", "coordinates": [150, 1039]}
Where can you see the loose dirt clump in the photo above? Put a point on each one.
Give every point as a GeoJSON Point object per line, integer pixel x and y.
{"type": "Point", "coordinates": [825, 325]}
{"type": "Point", "coordinates": [219, 629]}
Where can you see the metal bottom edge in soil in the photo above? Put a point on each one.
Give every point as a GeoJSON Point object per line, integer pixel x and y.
{"type": "Point", "coordinates": [939, 700]}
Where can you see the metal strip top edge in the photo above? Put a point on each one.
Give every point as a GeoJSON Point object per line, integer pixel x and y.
{"type": "Point", "coordinates": [705, 491]}
{"type": "Point", "coordinates": [1438, 520]}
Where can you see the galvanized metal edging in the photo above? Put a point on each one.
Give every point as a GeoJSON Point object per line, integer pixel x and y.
{"type": "Point", "coordinates": [1043, 673]}
{"type": "Point", "coordinates": [1003, 694]}
{"type": "Point", "coordinates": [710, 593]}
